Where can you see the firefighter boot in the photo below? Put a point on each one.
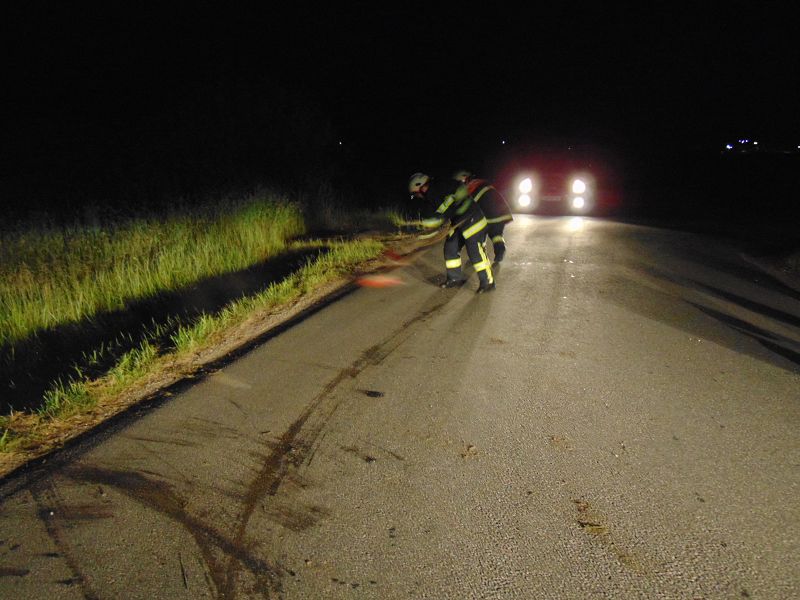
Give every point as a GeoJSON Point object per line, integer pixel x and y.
{"type": "Point", "coordinates": [452, 282]}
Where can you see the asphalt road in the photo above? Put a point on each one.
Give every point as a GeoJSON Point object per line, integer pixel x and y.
{"type": "Point", "coordinates": [619, 419]}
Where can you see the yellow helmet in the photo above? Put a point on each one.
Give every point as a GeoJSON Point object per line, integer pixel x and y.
{"type": "Point", "coordinates": [462, 176]}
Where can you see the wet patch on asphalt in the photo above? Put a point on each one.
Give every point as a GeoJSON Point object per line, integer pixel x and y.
{"type": "Point", "coordinates": [469, 451]}
{"type": "Point", "coordinates": [596, 526]}
{"type": "Point", "coordinates": [561, 442]}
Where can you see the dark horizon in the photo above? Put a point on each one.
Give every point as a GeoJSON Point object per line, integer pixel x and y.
{"type": "Point", "coordinates": [111, 101]}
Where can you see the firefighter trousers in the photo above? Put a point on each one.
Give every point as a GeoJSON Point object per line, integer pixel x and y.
{"type": "Point", "coordinates": [494, 232]}
{"type": "Point", "coordinates": [473, 237]}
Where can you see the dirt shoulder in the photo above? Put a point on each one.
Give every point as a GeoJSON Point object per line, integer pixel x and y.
{"type": "Point", "coordinates": [56, 435]}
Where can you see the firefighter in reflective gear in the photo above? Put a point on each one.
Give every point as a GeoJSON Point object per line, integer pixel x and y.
{"type": "Point", "coordinates": [467, 225]}
{"type": "Point", "coordinates": [493, 205]}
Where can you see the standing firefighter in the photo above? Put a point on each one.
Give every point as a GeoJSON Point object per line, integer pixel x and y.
{"type": "Point", "coordinates": [493, 205]}
{"type": "Point", "coordinates": [467, 227]}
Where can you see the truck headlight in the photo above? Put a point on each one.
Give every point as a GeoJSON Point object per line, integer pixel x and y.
{"type": "Point", "coordinates": [525, 186]}
{"type": "Point", "coordinates": [578, 186]}
{"type": "Point", "coordinates": [578, 203]}
{"type": "Point", "coordinates": [524, 200]}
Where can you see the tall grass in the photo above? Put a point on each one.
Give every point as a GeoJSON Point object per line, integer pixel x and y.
{"type": "Point", "coordinates": [55, 275]}
{"type": "Point", "coordinates": [51, 276]}
{"type": "Point", "coordinates": [79, 392]}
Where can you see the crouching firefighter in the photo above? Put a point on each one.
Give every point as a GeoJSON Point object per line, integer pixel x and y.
{"type": "Point", "coordinates": [493, 205]}
{"type": "Point", "coordinates": [467, 227]}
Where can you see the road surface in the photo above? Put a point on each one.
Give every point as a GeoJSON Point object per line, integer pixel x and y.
{"type": "Point", "coordinates": [619, 419]}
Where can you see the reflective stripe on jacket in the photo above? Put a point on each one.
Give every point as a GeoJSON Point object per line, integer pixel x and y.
{"type": "Point", "coordinates": [456, 204]}
{"type": "Point", "coordinates": [492, 202]}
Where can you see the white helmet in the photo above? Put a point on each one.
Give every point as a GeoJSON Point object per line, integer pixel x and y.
{"type": "Point", "coordinates": [416, 182]}
{"type": "Point", "coordinates": [462, 176]}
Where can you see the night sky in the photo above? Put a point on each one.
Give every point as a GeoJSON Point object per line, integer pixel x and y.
{"type": "Point", "coordinates": [101, 95]}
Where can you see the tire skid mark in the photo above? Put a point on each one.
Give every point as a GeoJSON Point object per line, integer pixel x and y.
{"type": "Point", "coordinates": [394, 455]}
{"type": "Point", "coordinates": [160, 497]}
{"type": "Point", "coordinates": [48, 504]}
{"type": "Point", "coordinates": [160, 458]}
{"type": "Point", "coordinates": [359, 453]}
{"type": "Point", "coordinates": [292, 451]}
{"type": "Point", "coordinates": [162, 440]}
{"type": "Point", "coordinates": [314, 449]}
{"type": "Point", "coordinates": [12, 572]}
{"type": "Point", "coordinates": [287, 452]}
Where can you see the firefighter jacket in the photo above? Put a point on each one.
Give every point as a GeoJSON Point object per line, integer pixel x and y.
{"type": "Point", "coordinates": [492, 202]}
{"type": "Point", "coordinates": [454, 204]}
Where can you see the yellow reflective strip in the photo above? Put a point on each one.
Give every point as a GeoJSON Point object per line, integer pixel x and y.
{"type": "Point", "coordinates": [472, 230]}
{"type": "Point", "coordinates": [488, 269]}
{"type": "Point", "coordinates": [482, 192]}
{"type": "Point", "coordinates": [482, 266]}
{"type": "Point", "coordinates": [464, 206]}
{"type": "Point", "coordinates": [445, 204]}
{"type": "Point", "coordinates": [500, 219]}
{"type": "Point", "coordinates": [431, 223]}
{"type": "Point", "coordinates": [497, 238]}
{"type": "Point", "coordinates": [453, 263]}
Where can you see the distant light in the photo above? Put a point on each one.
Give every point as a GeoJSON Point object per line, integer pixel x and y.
{"type": "Point", "coordinates": [340, 143]}
{"type": "Point", "coordinates": [728, 147]}
{"type": "Point", "coordinates": [755, 143]}
{"type": "Point", "coordinates": [503, 142]}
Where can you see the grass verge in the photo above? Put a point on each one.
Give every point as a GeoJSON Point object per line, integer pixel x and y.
{"type": "Point", "coordinates": [55, 275]}
{"type": "Point", "coordinates": [73, 405]}
{"type": "Point", "coordinates": [56, 278]}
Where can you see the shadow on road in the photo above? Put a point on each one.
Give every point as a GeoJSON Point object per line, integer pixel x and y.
{"type": "Point", "coordinates": [735, 311]}
{"type": "Point", "coordinates": [773, 342]}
